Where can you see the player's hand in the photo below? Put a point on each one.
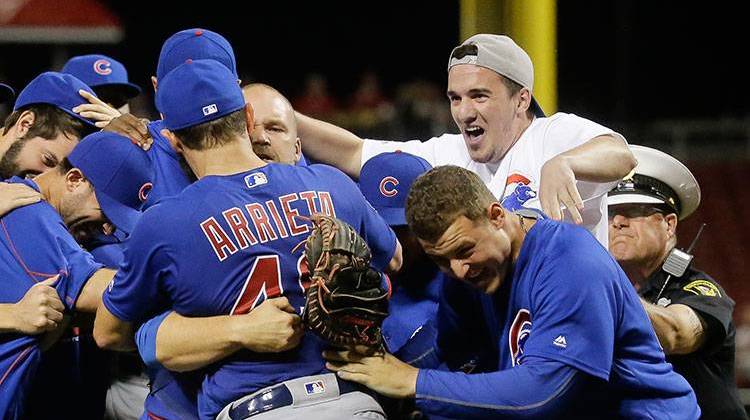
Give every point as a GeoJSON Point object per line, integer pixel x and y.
{"type": "Point", "coordinates": [40, 309]}
{"type": "Point", "coordinates": [272, 327]}
{"type": "Point", "coordinates": [132, 127]}
{"type": "Point", "coordinates": [557, 188]}
{"type": "Point", "coordinates": [13, 196]}
{"type": "Point", "coordinates": [95, 110]}
{"type": "Point", "coordinates": [382, 372]}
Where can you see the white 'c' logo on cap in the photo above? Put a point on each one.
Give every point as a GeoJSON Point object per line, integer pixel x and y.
{"type": "Point", "coordinates": [388, 186]}
{"type": "Point", "coordinates": [102, 67]}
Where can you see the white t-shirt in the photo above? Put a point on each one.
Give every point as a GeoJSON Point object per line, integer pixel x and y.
{"type": "Point", "coordinates": [515, 181]}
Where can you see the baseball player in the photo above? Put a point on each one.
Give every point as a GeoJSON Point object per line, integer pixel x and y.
{"type": "Point", "coordinates": [171, 172]}
{"type": "Point", "coordinates": [182, 345]}
{"type": "Point", "coordinates": [690, 312]}
{"type": "Point", "coordinates": [525, 158]}
{"type": "Point", "coordinates": [237, 227]}
{"type": "Point", "coordinates": [106, 76]}
{"type": "Point", "coordinates": [274, 131]}
{"type": "Point", "coordinates": [573, 342]}
{"type": "Point", "coordinates": [409, 330]}
{"type": "Point", "coordinates": [98, 182]}
{"type": "Point", "coordinates": [43, 129]}
{"type": "Point", "coordinates": [170, 395]}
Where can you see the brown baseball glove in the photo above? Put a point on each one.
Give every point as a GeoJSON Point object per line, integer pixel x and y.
{"type": "Point", "coordinates": [346, 301]}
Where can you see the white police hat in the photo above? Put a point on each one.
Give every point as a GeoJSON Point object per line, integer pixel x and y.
{"type": "Point", "coordinates": [658, 179]}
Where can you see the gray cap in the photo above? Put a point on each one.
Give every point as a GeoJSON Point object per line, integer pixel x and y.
{"type": "Point", "coordinates": [500, 54]}
{"type": "Point", "coordinates": [658, 179]}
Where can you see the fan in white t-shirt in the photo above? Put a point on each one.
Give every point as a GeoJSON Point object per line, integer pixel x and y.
{"type": "Point", "coordinates": [563, 164]}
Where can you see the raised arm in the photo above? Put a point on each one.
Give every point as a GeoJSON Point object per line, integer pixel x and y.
{"type": "Point", "coordinates": [327, 143]}
{"type": "Point", "coordinates": [604, 158]}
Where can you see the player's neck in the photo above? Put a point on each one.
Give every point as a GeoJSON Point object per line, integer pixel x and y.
{"type": "Point", "coordinates": [51, 184]}
{"type": "Point", "coordinates": [228, 159]}
{"type": "Point", "coordinates": [518, 227]}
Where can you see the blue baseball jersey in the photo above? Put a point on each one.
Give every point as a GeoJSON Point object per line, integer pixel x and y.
{"type": "Point", "coordinates": [224, 245]}
{"type": "Point", "coordinates": [36, 245]}
{"type": "Point", "coordinates": [169, 177]}
{"type": "Point", "coordinates": [567, 301]}
{"type": "Point", "coordinates": [409, 330]}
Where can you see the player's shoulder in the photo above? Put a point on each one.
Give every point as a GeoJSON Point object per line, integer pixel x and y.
{"type": "Point", "coordinates": [566, 234]}
{"type": "Point", "coordinates": [33, 214]}
{"type": "Point", "coordinates": [566, 244]}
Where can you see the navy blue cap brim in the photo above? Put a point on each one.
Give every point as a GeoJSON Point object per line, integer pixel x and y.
{"type": "Point", "coordinates": [392, 216]}
{"type": "Point", "coordinates": [129, 89]}
{"type": "Point", "coordinates": [122, 216]}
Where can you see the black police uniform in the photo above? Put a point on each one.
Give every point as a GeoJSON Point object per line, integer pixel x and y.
{"type": "Point", "coordinates": [710, 370]}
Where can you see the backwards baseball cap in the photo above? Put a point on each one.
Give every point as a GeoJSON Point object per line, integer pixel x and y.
{"type": "Point", "coordinates": [99, 70]}
{"type": "Point", "coordinates": [195, 44]}
{"type": "Point", "coordinates": [658, 179]}
{"type": "Point", "coordinates": [197, 92]}
{"type": "Point", "coordinates": [500, 54]}
{"type": "Point", "coordinates": [120, 173]}
{"type": "Point", "coordinates": [58, 89]}
{"type": "Point", "coordinates": [6, 93]}
{"type": "Point", "coordinates": [385, 181]}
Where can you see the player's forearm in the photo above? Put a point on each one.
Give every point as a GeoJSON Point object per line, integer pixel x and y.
{"type": "Point", "coordinates": [91, 295]}
{"type": "Point", "coordinates": [529, 390]}
{"type": "Point", "coordinates": [8, 318]}
{"type": "Point", "coordinates": [330, 144]}
{"type": "Point", "coordinates": [185, 344]}
{"type": "Point", "coordinates": [678, 328]}
{"type": "Point", "coordinates": [601, 159]}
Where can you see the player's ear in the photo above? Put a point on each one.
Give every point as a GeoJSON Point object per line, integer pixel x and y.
{"type": "Point", "coordinates": [496, 214]}
{"type": "Point", "coordinates": [25, 122]}
{"type": "Point", "coordinates": [74, 179]}
{"type": "Point", "coordinates": [173, 140]}
{"type": "Point", "coordinates": [297, 150]}
{"type": "Point", "coordinates": [154, 82]}
{"type": "Point", "coordinates": [524, 100]}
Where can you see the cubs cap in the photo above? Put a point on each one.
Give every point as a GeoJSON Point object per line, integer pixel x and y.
{"type": "Point", "coordinates": [120, 173]}
{"type": "Point", "coordinates": [502, 55]}
{"type": "Point", "coordinates": [385, 180]}
{"type": "Point", "coordinates": [6, 93]}
{"type": "Point", "coordinates": [658, 179]}
{"type": "Point", "coordinates": [58, 89]}
{"type": "Point", "coordinates": [195, 44]}
{"type": "Point", "coordinates": [197, 92]}
{"type": "Point", "coordinates": [99, 70]}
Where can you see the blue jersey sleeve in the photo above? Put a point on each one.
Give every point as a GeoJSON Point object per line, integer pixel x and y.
{"type": "Point", "coordinates": [575, 306]}
{"type": "Point", "coordinates": [539, 389]}
{"type": "Point", "coordinates": [136, 291]}
{"type": "Point", "coordinates": [145, 339]}
{"type": "Point", "coordinates": [81, 266]}
{"type": "Point", "coordinates": [48, 235]}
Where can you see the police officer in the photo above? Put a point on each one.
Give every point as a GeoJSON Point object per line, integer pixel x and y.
{"type": "Point", "coordinates": [691, 313]}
